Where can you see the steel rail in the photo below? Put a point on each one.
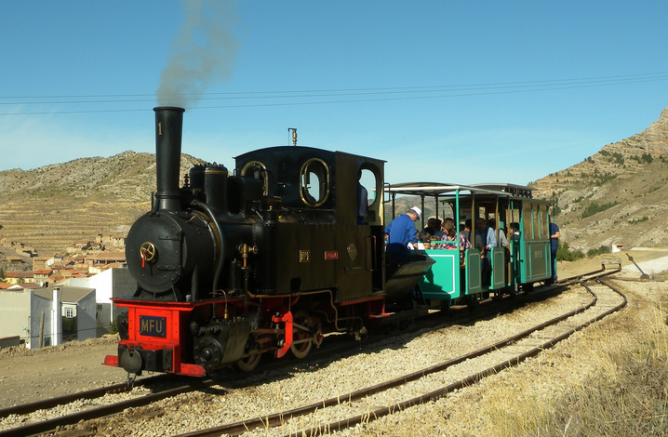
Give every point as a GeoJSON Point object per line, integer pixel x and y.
{"type": "Point", "coordinates": [237, 428]}
{"type": "Point", "coordinates": [240, 427]}
{"type": "Point", "coordinates": [473, 379]}
{"type": "Point", "coordinates": [72, 397]}
{"type": "Point", "coordinates": [106, 410]}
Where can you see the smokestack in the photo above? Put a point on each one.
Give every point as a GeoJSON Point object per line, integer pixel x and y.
{"type": "Point", "coordinates": [168, 129]}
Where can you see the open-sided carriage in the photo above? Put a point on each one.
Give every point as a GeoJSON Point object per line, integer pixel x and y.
{"type": "Point", "coordinates": [455, 280]}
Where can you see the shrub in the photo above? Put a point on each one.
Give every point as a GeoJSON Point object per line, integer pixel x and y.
{"type": "Point", "coordinates": [644, 158]}
{"type": "Point", "coordinates": [600, 251]}
{"type": "Point", "coordinates": [595, 208]}
{"type": "Point", "coordinates": [619, 158]}
{"type": "Point", "coordinates": [640, 220]}
{"type": "Point", "coordinates": [564, 253]}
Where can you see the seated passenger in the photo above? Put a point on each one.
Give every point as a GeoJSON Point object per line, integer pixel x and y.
{"type": "Point", "coordinates": [433, 228]}
{"type": "Point", "coordinates": [449, 237]}
{"type": "Point", "coordinates": [438, 229]}
{"type": "Point", "coordinates": [426, 234]}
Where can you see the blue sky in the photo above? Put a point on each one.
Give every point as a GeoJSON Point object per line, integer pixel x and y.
{"type": "Point", "coordinates": [444, 91]}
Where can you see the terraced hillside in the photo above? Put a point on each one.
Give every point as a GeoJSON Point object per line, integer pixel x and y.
{"type": "Point", "coordinates": [51, 207]}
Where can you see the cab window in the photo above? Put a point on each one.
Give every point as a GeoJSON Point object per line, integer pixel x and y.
{"type": "Point", "coordinates": [314, 181]}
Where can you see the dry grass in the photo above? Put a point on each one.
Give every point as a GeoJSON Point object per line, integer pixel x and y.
{"type": "Point", "coordinates": [609, 380]}
{"type": "Point", "coordinates": [625, 393]}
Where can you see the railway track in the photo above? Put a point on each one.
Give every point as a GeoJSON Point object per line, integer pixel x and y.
{"type": "Point", "coordinates": [85, 413]}
{"type": "Point", "coordinates": [84, 395]}
{"type": "Point", "coordinates": [237, 428]}
{"type": "Point", "coordinates": [492, 359]}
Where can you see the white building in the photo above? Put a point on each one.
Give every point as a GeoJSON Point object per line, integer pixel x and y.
{"type": "Point", "coordinates": [48, 316]}
{"type": "Point", "coordinates": [110, 283]}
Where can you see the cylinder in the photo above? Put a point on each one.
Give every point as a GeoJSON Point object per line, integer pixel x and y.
{"type": "Point", "coordinates": [168, 131]}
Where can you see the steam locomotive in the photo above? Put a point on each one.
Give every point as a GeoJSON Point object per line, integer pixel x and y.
{"type": "Point", "coordinates": [267, 258]}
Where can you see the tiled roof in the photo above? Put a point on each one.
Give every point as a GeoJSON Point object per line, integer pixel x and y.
{"type": "Point", "coordinates": [19, 274]}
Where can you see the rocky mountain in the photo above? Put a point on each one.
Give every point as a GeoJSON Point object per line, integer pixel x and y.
{"type": "Point", "coordinates": [50, 207]}
{"type": "Point", "coordinates": [617, 196]}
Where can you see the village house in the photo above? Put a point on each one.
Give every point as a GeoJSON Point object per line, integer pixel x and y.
{"type": "Point", "coordinates": [99, 268]}
{"type": "Point", "coordinates": [95, 246]}
{"type": "Point", "coordinates": [79, 246]}
{"type": "Point", "coordinates": [15, 260]}
{"type": "Point", "coordinates": [19, 277]}
{"type": "Point", "coordinates": [42, 276]}
{"type": "Point", "coordinates": [104, 258]}
{"type": "Point", "coordinates": [111, 241]}
{"type": "Point", "coordinates": [41, 262]}
{"type": "Point", "coordinates": [114, 282]}
{"type": "Point", "coordinates": [48, 316]}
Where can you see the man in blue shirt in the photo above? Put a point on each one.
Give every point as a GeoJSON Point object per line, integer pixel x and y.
{"type": "Point", "coordinates": [554, 245]}
{"type": "Point", "coordinates": [402, 231]}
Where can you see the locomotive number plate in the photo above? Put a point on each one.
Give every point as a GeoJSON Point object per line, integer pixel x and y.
{"type": "Point", "coordinates": [153, 326]}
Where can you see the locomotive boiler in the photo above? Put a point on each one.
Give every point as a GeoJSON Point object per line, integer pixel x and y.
{"type": "Point", "coordinates": [268, 257]}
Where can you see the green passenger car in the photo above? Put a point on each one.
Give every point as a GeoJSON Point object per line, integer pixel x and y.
{"type": "Point", "coordinates": [470, 278]}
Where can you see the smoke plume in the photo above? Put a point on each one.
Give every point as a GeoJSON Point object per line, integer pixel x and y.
{"type": "Point", "coordinates": [204, 52]}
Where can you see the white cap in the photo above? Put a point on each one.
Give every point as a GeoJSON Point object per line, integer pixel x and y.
{"type": "Point", "coordinates": [418, 211]}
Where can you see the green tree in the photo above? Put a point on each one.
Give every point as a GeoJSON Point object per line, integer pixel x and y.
{"type": "Point", "coordinates": [565, 254]}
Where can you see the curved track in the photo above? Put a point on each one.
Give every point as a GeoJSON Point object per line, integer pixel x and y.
{"type": "Point", "coordinates": [505, 353]}
{"type": "Point", "coordinates": [515, 350]}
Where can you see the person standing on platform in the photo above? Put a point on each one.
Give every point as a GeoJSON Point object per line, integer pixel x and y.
{"type": "Point", "coordinates": [554, 242]}
{"type": "Point", "coordinates": [402, 231]}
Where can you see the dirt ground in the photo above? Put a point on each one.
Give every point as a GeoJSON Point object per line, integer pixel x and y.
{"type": "Point", "coordinates": [31, 375]}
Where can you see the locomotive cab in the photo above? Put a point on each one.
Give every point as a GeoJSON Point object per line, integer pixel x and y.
{"type": "Point", "coordinates": [316, 229]}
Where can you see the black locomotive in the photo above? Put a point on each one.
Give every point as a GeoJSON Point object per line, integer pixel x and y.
{"type": "Point", "coordinates": [267, 258]}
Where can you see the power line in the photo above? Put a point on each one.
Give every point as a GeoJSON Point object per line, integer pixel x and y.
{"type": "Point", "coordinates": [332, 96]}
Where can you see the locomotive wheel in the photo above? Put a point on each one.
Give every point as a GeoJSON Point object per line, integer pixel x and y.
{"type": "Point", "coordinates": [301, 350]}
{"type": "Point", "coordinates": [248, 364]}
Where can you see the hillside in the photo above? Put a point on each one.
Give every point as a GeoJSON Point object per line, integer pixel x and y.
{"type": "Point", "coordinates": [617, 195]}
{"type": "Point", "coordinates": [50, 207]}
